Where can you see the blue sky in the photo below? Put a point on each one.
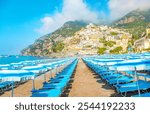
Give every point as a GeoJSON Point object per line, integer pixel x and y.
{"type": "Point", "coordinates": [23, 21]}
{"type": "Point", "coordinates": [19, 18]}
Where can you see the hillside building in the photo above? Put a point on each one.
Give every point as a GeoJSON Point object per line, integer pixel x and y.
{"type": "Point", "coordinates": [143, 43]}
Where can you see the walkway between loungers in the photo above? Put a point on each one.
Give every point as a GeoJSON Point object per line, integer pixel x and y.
{"type": "Point", "coordinates": [87, 84]}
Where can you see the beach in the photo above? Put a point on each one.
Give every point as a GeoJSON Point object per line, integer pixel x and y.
{"type": "Point", "coordinates": [88, 84]}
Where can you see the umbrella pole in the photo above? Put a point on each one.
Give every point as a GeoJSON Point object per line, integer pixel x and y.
{"type": "Point", "coordinates": [44, 77]}
{"type": "Point", "coordinates": [145, 79]}
{"type": "Point", "coordinates": [56, 70]}
{"type": "Point", "coordinates": [33, 86]}
{"type": "Point", "coordinates": [117, 76]}
{"type": "Point", "coordinates": [51, 73]}
{"type": "Point", "coordinates": [137, 83]}
{"type": "Point", "coordinates": [12, 93]}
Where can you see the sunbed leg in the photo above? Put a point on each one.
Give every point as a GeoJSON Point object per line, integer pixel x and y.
{"type": "Point", "coordinates": [12, 94]}
{"type": "Point", "coordinates": [125, 94]}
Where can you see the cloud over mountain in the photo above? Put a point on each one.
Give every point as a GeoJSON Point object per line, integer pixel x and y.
{"type": "Point", "coordinates": [79, 10]}
{"type": "Point", "coordinates": [119, 8]}
{"type": "Point", "coordinates": [71, 10]}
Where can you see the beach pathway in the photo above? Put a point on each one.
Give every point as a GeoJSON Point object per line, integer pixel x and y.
{"type": "Point", "coordinates": [88, 84]}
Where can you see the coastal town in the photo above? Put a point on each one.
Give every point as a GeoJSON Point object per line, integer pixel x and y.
{"type": "Point", "coordinates": [92, 37]}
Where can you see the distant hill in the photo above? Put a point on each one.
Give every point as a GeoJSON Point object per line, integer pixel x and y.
{"type": "Point", "coordinates": [135, 22]}
{"type": "Point", "coordinates": [78, 38]}
{"type": "Point", "coordinates": [52, 42]}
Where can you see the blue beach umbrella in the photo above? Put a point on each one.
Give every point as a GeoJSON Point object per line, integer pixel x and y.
{"type": "Point", "coordinates": [15, 75]}
{"type": "Point", "coordinates": [107, 61]}
{"type": "Point", "coordinates": [36, 70]}
{"type": "Point", "coordinates": [5, 66]}
{"type": "Point", "coordinates": [16, 65]}
{"type": "Point", "coordinates": [131, 65]}
{"type": "Point", "coordinates": [29, 63]}
{"type": "Point", "coordinates": [49, 66]}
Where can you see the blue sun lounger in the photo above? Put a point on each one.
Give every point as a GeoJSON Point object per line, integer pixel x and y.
{"type": "Point", "coordinates": [142, 95]}
{"type": "Point", "coordinates": [107, 77]}
{"type": "Point", "coordinates": [123, 79]}
{"type": "Point", "coordinates": [47, 93]}
{"type": "Point", "coordinates": [5, 84]}
{"type": "Point", "coordinates": [130, 87]}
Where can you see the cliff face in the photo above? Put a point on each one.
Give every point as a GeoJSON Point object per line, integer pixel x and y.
{"type": "Point", "coordinates": [135, 22]}
{"type": "Point", "coordinates": [134, 16]}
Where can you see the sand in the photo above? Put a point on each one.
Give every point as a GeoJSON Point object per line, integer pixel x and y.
{"type": "Point", "coordinates": [88, 84]}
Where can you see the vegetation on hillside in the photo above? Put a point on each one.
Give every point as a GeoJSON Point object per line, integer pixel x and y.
{"type": "Point", "coordinates": [58, 46]}
{"type": "Point", "coordinates": [117, 50]}
{"type": "Point", "coordinates": [140, 20]}
{"type": "Point", "coordinates": [101, 50]}
{"type": "Point", "coordinates": [109, 43]}
{"type": "Point", "coordinates": [135, 28]}
{"type": "Point", "coordinates": [69, 28]}
{"type": "Point", "coordinates": [114, 33]}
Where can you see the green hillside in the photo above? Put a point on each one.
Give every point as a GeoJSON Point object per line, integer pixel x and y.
{"type": "Point", "coordinates": [135, 22]}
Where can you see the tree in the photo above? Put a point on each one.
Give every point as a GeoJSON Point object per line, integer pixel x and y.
{"type": "Point", "coordinates": [114, 33]}
{"type": "Point", "coordinates": [101, 50]}
{"type": "Point", "coordinates": [109, 43]}
{"type": "Point", "coordinates": [116, 50]}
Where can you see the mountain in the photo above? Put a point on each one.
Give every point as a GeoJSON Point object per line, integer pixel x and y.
{"type": "Point", "coordinates": [52, 42]}
{"type": "Point", "coordinates": [78, 38]}
{"type": "Point", "coordinates": [135, 22]}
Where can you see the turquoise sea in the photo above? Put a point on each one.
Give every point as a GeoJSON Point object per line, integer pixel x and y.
{"type": "Point", "coordinates": [4, 59]}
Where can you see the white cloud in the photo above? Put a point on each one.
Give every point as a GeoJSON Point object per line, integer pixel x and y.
{"type": "Point", "coordinates": [72, 10]}
{"type": "Point", "coordinates": [119, 8]}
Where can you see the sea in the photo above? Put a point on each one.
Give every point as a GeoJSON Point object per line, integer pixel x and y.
{"type": "Point", "coordinates": [7, 59]}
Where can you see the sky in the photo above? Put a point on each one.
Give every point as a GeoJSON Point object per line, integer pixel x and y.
{"type": "Point", "coordinates": [24, 21]}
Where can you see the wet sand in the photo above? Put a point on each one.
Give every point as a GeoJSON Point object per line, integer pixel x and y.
{"type": "Point", "coordinates": [88, 84]}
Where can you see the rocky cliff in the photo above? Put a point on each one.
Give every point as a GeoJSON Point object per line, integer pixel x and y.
{"type": "Point", "coordinates": [135, 22]}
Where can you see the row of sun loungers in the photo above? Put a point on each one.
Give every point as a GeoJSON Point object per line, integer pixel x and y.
{"type": "Point", "coordinates": [56, 85]}
{"type": "Point", "coordinates": [125, 85]}
{"type": "Point", "coordinates": [28, 70]}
